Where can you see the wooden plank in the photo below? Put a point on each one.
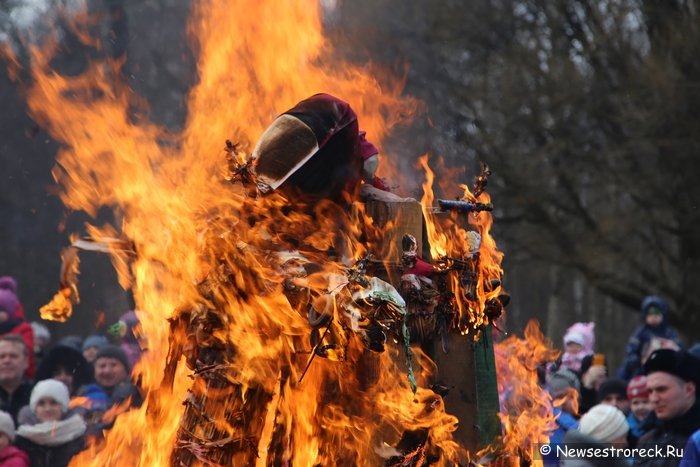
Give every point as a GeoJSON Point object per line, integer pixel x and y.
{"type": "Point", "coordinates": [469, 369]}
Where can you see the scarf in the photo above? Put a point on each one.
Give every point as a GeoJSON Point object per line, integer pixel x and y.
{"type": "Point", "coordinates": [54, 433]}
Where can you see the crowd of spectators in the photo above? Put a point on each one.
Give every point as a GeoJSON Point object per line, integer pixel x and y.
{"type": "Point", "coordinates": [53, 397]}
{"type": "Point", "coordinates": [650, 403]}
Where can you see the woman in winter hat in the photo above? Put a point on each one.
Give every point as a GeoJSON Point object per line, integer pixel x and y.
{"type": "Point", "coordinates": [606, 423]}
{"type": "Point", "coordinates": [67, 365]}
{"type": "Point", "coordinates": [600, 427]}
{"type": "Point", "coordinates": [10, 456]}
{"type": "Point", "coordinates": [57, 434]}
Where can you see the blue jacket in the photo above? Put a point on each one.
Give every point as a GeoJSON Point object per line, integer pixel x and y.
{"type": "Point", "coordinates": [691, 452]}
{"type": "Point", "coordinates": [637, 429]}
{"type": "Point", "coordinates": [565, 422]}
{"type": "Point", "coordinates": [632, 366]}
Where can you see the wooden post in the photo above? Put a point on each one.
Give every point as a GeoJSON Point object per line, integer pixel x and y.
{"type": "Point", "coordinates": [469, 369]}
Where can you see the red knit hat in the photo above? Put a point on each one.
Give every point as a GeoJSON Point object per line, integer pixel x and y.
{"type": "Point", "coordinates": [637, 388]}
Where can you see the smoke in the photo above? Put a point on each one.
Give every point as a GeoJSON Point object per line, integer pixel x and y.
{"type": "Point", "coordinates": [29, 21]}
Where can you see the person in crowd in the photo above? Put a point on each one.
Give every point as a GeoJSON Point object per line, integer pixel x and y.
{"type": "Point", "coordinates": [672, 380]}
{"type": "Point", "coordinates": [10, 284]}
{"type": "Point", "coordinates": [111, 375]}
{"type": "Point", "coordinates": [691, 452]}
{"type": "Point", "coordinates": [578, 344]}
{"type": "Point", "coordinates": [654, 329]}
{"type": "Point", "coordinates": [125, 330]}
{"type": "Point", "coordinates": [11, 324]}
{"type": "Point", "coordinates": [564, 384]}
{"type": "Point", "coordinates": [15, 390]}
{"type": "Point", "coordinates": [56, 434]}
{"type": "Point", "coordinates": [640, 408]}
{"type": "Point", "coordinates": [10, 456]}
{"type": "Point", "coordinates": [605, 423]}
{"type": "Point", "coordinates": [64, 364]}
{"type": "Point", "coordinates": [42, 337]}
{"type": "Point", "coordinates": [602, 426]}
{"type": "Point", "coordinates": [67, 365]}
{"type": "Point", "coordinates": [593, 374]}
{"type": "Point", "coordinates": [613, 391]}
{"type": "Point", "coordinates": [92, 345]}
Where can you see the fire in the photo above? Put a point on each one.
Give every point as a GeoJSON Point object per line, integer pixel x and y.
{"type": "Point", "coordinates": [452, 234]}
{"type": "Point", "coordinates": [210, 265]}
{"type": "Point", "coordinates": [526, 408]}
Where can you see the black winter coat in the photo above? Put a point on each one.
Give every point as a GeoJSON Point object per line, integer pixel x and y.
{"type": "Point", "coordinates": [674, 433]}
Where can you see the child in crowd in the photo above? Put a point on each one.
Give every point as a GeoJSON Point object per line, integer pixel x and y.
{"type": "Point", "coordinates": [42, 337]}
{"type": "Point", "coordinates": [640, 408]}
{"type": "Point", "coordinates": [92, 345]}
{"type": "Point", "coordinates": [55, 435]}
{"type": "Point", "coordinates": [653, 332]}
{"type": "Point", "coordinates": [578, 344]}
{"type": "Point", "coordinates": [564, 385]}
{"type": "Point", "coordinates": [125, 329]}
{"type": "Point", "coordinates": [10, 456]}
{"type": "Point", "coordinates": [10, 284]}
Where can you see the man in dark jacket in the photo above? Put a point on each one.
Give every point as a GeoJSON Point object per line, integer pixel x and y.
{"type": "Point", "coordinates": [672, 381]}
{"type": "Point", "coordinates": [14, 389]}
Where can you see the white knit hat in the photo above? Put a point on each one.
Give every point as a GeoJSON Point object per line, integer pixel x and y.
{"type": "Point", "coordinates": [52, 389]}
{"type": "Point", "coordinates": [7, 426]}
{"type": "Point", "coordinates": [604, 422]}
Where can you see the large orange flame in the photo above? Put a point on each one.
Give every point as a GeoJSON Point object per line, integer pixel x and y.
{"type": "Point", "coordinates": [527, 408]}
{"type": "Point", "coordinates": [203, 244]}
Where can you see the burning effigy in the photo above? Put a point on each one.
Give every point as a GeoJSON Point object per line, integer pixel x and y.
{"type": "Point", "coordinates": [295, 311]}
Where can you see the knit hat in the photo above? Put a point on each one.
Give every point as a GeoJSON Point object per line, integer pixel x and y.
{"type": "Point", "coordinates": [653, 301]}
{"type": "Point", "coordinates": [96, 340]}
{"type": "Point", "coordinates": [581, 333]}
{"type": "Point", "coordinates": [612, 386]}
{"type": "Point", "coordinates": [563, 379]}
{"type": "Point", "coordinates": [637, 388]}
{"type": "Point", "coordinates": [52, 389]}
{"type": "Point", "coordinates": [7, 426]}
{"type": "Point", "coordinates": [675, 362]}
{"type": "Point", "coordinates": [8, 283]}
{"type": "Point", "coordinates": [605, 423]}
{"type": "Point", "coordinates": [40, 331]}
{"type": "Point", "coordinates": [574, 337]}
{"type": "Point", "coordinates": [112, 351]}
{"type": "Point", "coordinates": [8, 302]}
